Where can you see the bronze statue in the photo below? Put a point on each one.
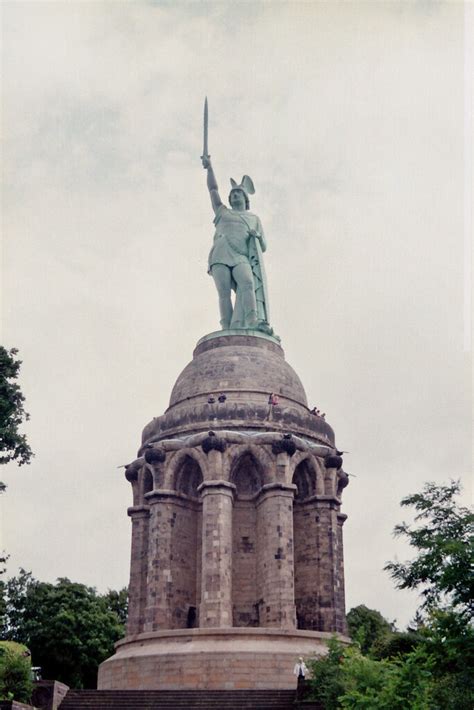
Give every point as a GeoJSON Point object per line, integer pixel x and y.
{"type": "Point", "coordinates": [235, 260]}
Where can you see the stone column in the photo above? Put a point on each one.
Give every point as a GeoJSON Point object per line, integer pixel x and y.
{"type": "Point", "coordinates": [138, 569]}
{"type": "Point", "coordinates": [159, 607]}
{"type": "Point", "coordinates": [327, 531]}
{"type": "Point", "coordinates": [216, 590]}
{"type": "Point", "coordinates": [275, 556]}
{"type": "Point", "coordinates": [341, 623]}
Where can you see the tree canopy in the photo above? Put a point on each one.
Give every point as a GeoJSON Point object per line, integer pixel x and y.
{"type": "Point", "coordinates": [13, 444]}
{"type": "Point", "coordinates": [444, 540]}
{"type": "Point", "coordinates": [68, 627]}
{"type": "Point", "coordinates": [428, 667]}
{"type": "Point", "coordinates": [367, 627]}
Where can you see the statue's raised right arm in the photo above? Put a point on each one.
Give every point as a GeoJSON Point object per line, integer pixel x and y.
{"type": "Point", "coordinates": [211, 183]}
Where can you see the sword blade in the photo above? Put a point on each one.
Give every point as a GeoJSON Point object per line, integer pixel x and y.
{"type": "Point", "coordinates": [206, 124]}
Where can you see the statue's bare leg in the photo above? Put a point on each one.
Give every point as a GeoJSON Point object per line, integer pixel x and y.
{"type": "Point", "coordinates": [222, 278]}
{"type": "Point", "coordinates": [245, 313]}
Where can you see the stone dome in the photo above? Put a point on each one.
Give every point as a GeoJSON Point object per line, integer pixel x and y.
{"type": "Point", "coordinates": [246, 368]}
{"type": "Point", "coordinates": [238, 363]}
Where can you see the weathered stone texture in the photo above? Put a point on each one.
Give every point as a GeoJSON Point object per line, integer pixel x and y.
{"type": "Point", "coordinates": [216, 600]}
{"type": "Point", "coordinates": [236, 527]}
{"type": "Point", "coordinates": [137, 591]}
{"type": "Point", "coordinates": [275, 563]}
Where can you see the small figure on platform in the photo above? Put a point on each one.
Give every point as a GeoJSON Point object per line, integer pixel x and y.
{"type": "Point", "coordinates": [273, 399]}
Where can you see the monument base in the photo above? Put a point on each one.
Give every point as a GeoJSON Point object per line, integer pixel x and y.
{"type": "Point", "coordinates": [234, 658]}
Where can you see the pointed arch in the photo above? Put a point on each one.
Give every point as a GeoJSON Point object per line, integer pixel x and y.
{"type": "Point", "coordinates": [314, 469]}
{"type": "Point", "coordinates": [183, 474]}
{"type": "Point", "coordinates": [176, 462]}
{"type": "Point", "coordinates": [246, 474]}
{"type": "Point", "coordinates": [264, 461]}
{"type": "Point", "coordinates": [188, 477]}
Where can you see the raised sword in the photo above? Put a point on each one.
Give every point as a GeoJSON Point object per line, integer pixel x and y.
{"type": "Point", "coordinates": [205, 150]}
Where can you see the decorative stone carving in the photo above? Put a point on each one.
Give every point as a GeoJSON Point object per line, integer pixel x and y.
{"type": "Point", "coordinates": [285, 445]}
{"type": "Point", "coordinates": [333, 462]}
{"type": "Point", "coordinates": [213, 442]}
{"type": "Point", "coordinates": [154, 455]}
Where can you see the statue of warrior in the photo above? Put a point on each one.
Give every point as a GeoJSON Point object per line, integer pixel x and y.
{"type": "Point", "coordinates": [235, 260]}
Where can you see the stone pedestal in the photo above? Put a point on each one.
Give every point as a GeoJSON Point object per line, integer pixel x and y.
{"type": "Point", "coordinates": [210, 659]}
{"type": "Point", "coordinates": [237, 564]}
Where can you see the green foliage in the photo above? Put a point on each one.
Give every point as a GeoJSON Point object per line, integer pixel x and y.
{"type": "Point", "coordinates": [444, 541]}
{"type": "Point", "coordinates": [364, 680]}
{"type": "Point", "coordinates": [69, 628]}
{"type": "Point", "coordinates": [367, 627]}
{"type": "Point", "coordinates": [15, 672]}
{"type": "Point", "coordinates": [397, 643]}
{"type": "Point", "coordinates": [326, 681]}
{"type": "Point", "coordinates": [13, 445]}
{"type": "Point", "coordinates": [345, 678]}
{"type": "Point", "coordinates": [117, 602]}
{"type": "Point", "coordinates": [429, 667]}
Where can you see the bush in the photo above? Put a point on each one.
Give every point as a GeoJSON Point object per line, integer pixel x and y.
{"type": "Point", "coordinates": [15, 672]}
{"type": "Point", "coordinates": [326, 680]}
{"type": "Point", "coordinates": [345, 678]}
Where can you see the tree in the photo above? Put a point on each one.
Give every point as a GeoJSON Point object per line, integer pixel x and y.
{"type": "Point", "coordinates": [444, 541]}
{"type": "Point", "coordinates": [13, 445]}
{"type": "Point", "coordinates": [367, 627]}
{"type": "Point", "coordinates": [118, 603]}
{"type": "Point", "coordinates": [345, 678]}
{"type": "Point", "coordinates": [68, 627]}
{"type": "Point", "coordinates": [428, 667]}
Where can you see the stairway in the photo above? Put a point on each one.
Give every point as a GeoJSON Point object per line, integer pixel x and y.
{"type": "Point", "coordinates": [176, 699]}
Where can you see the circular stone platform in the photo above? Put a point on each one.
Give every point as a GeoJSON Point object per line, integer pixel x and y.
{"type": "Point", "coordinates": [246, 658]}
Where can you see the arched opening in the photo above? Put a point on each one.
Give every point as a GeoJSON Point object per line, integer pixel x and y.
{"type": "Point", "coordinates": [304, 479]}
{"type": "Point", "coordinates": [246, 475]}
{"type": "Point", "coordinates": [185, 559]}
{"type": "Point", "coordinates": [188, 477]}
{"type": "Point", "coordinates": [305, 537]}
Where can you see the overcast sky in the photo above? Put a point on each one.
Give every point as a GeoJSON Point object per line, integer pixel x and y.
{"type": "Point", "coordinates": [354, 121]}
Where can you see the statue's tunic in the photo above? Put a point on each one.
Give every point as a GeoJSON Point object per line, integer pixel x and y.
{"type": "Point", "coordinates": [231, 245]}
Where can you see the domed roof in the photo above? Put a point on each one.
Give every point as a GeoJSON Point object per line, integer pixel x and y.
{"type": "Point", "coordinates": [238, 363]}
{"type": "Point", "coordinates": [227, 386]}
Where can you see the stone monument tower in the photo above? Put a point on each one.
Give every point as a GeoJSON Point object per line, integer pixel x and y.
{"type": "Point", "coordinates": [237, 555]}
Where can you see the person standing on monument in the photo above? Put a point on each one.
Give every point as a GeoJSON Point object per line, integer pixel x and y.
{"type": "Point", "coordinates": [300, 671]}
{"type": "Point", "coordinates": [235, 260]}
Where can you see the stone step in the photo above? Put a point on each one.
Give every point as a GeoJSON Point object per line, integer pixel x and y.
{"type": "Point", "coordinates": [175, 699]}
